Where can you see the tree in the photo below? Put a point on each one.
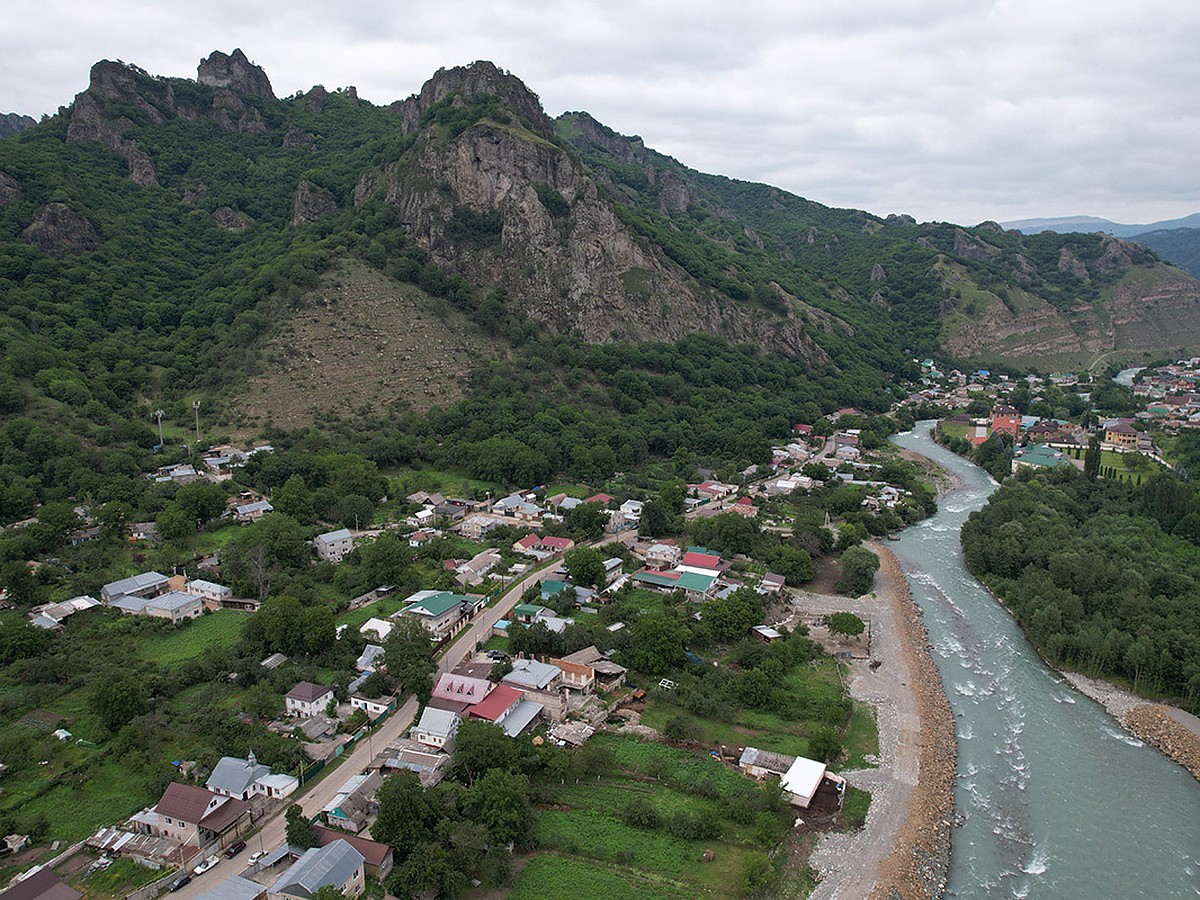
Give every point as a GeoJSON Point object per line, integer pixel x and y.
{"type": "Point", "coordinates": [299, 831]}
{"type": "Point", "coordinates": [794, 564]}
{"type": "Point", "coordinates": [586, 522]}
{"type": "Point", "coordinates": [479, 747]}
{"type": "Point", "coordinates": [1091, 459]}
{"type": "Point", "coordinates": [656, 520]}
{"type": "Point", "coordinates": [174, 524]}
{"type": "Point", "coordinates": [201, 500]}
{"type": "Point", "coordinates": [499, 801]}
{"type": "Point", "coordinates": [585, 566]}
{"type": "Point", "coordinates": [294, 499]}
{"type": "Point", "coordinates": [657, 644]}
{"type": "Point", "coordinates": [846, 623]}
{"type": "Point", "coordinates": [408, 652]}
{"type": "Point", "coordinates": [858, 571]}
{"type": "Point", "coordinates": [408, 813]}
{"type": "Point", "coordinates": [117, 697]}
{"type": "Point", "coordinates": [728, 619]}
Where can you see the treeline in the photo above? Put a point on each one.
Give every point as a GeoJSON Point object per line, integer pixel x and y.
{"type": "Point", "coordinates": [1103, 576]}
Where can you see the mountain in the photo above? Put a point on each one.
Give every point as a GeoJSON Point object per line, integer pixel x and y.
{"type": "Point", "coordinates": [1086, 224]}
{"type": "Point", "coordinates": [14, 123]}
{"type": "Point", "coordinates": [166, 240]}
{"type": "Point", "coordinates": [1180, 246]}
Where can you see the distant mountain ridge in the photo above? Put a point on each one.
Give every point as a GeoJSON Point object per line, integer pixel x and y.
{"type": "Point", "coordinates": [14, 123]}
{"type": "Point", "coordinates": [1087, 224]}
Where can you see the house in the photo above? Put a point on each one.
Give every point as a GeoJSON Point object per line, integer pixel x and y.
{"type": "Point", "coordinates": [576, 676]}
{"type": "Point", "coordinates": [333, 546]}
{"type": "Point", "coordinates": [744, 506]}
{"type": "Point", "coordinates": [696, 585]}
{"type": "Point", "coordinates": [767, 634]}
{"type": "Point", "coordinates": [662, 556]}
{"type": "Point", "coordinates": [40, 884]}
{"type": "Point", "coordinates": [761, 763]}
{"type": "Point", "coordinates": [478, 525]}
{"type": "Point", "coordinates": [607, 674]}
{"type": "Point", "coordinates": [436, 728]}
{"type": "Point", "coordinates": [531, 675]}
{"type": "Point", "coordinates": [377, 857]}
{"type": "Point", "coordinates": [802, 780]}
{"type": "Point", "coordinates": [374, 707]}
{"type": "Point", "coordinates": [552, 588]}
{"type": "Point", "coordinates": [443, 613]}
{"type": "Point", "coordinates": [380, 628]}
{"type": "Point", "coordinates": [602, 499]}
{"type": "Point", "coordinates": [1039, 456]}
{"type": "Point", "coordinates": [337, 865]}
{"type": "Point", "coordinates": [193, 816]}
{"type": "Point", "coordinates": [354, 802]}
{"type": "Point", "coordinates": [555, 544]}
{"type": "Point", "coordinates": [771, 584]}
{"type": "Point", "coordinates": [1121, 435]}
{"type": "Point", "coordinates": [612, 569]}
{"type": "Point", "coordinates": [632, 510]}
{"type": "Point", "coordinates": [457, 693]}
{"type": "Point", "coordinates": [701, 561]}
{"type": "Point", "coordinates": [526, 613]}
{"type": "Point", "coordinates": [233, 777]}
{"type": "Point", "coordinates": [526, 544]}
{"type": "Point", "coordinates": [476, 569]}
{"type": "Point", "coordinates": [307, 699]}
{"type": "Point", "coordinates": [371, 659]}
{"type": "Point", "coordinates": [248, 513]}
{"type": "Point", "coordinates": [507, 707]}
{"type": "Point", "coordinates": [175, 606]}
{"type": "Point", "coordinates": [419, 539]}
{"type": "Point", "coordinates": [148, 584]}
{"type": "Point", "coordinates": [213, 595]}
{"type": "Point", "coordinates": [1006, 420]}
{"type": "Point", "coordinates": [51, 615]}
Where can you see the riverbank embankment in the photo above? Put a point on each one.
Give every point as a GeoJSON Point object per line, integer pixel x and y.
{"type": "Point", "coordinates": [920, 859]}
{"type": "Point", "coordinates": [1173, 731]}
{"type": "Point", "coordinates": [903, 850]}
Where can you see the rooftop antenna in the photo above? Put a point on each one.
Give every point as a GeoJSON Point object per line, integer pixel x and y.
{"type": "Point", "coordinates": [196, 408]}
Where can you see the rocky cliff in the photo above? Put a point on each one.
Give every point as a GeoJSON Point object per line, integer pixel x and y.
{"type": "Point", "coordinates": [501, 203]}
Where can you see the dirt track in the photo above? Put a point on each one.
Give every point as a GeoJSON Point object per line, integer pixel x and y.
{"type": "Point", "coordinates": [904, 848]}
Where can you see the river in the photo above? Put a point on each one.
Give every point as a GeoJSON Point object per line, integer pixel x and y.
{"type": "Point", "coordinates": [1053, 798]}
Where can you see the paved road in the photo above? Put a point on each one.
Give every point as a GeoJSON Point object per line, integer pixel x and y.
{"type": "Point", "coordinates": [314, 800]}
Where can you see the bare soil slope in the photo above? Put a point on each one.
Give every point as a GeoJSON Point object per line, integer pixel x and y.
{"type": "Point", "coordinates": [361, 339]}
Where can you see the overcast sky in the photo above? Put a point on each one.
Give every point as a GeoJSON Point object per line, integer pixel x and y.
{"type": "Point", "coordinates": [956, 110]}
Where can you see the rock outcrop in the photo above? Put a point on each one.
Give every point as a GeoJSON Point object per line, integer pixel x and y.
{"type": "Point", "coordinates": [57, 230]}
{"type": "Point", "coordinates": [10, 189]}
{"type": "Point", "coordinates": [234, 71]}
{"type": "Point", "coordinates": [502, 203]}
{"type": "Point", "coordinates": [311, 203]}
{"type": "Point", "coordinates": [14, 123]}
{"type": "Point", "coordinates": [230, 219]}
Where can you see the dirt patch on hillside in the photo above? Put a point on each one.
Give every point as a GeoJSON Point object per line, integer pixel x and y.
{"type": "Point", "coordinates": [361, 340]}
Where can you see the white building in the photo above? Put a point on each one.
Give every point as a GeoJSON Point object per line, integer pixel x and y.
{"type": "Point", "coordinates": [333, 546]}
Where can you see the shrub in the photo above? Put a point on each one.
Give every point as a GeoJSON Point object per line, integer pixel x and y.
{"type": "Point", "coordinates": [639, 813]}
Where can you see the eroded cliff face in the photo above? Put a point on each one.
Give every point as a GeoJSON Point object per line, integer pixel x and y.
{"type": "Point", "coordinates": [500, 203]}
{"type": "Point", "coordinates": [58, 230]}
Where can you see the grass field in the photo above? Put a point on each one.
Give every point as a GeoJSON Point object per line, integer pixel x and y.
{"type": "Point", "coordinates": [221, 628]}
{"type": "Point", "coordinates": [861, 738]}
{"type": "Point", "coordinates": [553, 876]}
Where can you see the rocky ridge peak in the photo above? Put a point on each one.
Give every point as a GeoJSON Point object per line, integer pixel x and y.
{"type": "Point", "coordinates": [14, 123]}
{"type": "Point", "coordinates": [478, 78]}
{"type": "Point", "coordinates": [234, 71]}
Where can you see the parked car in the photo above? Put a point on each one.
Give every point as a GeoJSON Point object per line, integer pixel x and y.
{"type": "Point", "coordinates": [206, 865]}
{"type": "Point", "coordinates": [180, 880]}
{"type": "Point", "coordinates": [256, 856]}
{"type": "Point", "coordinates": [234, 849]}
{"type": "Point", "coordinates": [497, 654]}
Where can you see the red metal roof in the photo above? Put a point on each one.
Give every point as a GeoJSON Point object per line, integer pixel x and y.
{"type": "Point", "coordinates": [498, 702]}
{"type": "Point", "coordinates": [558, 543]}
{"type": "Point", "coordinates": [701, 560]}
{"type": "Point", "coordinates": [528, 542]}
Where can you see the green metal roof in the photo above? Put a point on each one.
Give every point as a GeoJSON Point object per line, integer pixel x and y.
{"type": "Point", "coordinates": [437, 605]}
{"type": "Point", "coordinates": [527, 609]}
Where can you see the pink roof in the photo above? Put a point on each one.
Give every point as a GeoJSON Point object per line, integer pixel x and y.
{"type": "Point", "coordinates": [743, 501]}
{"type": "Point", "coordinates": [803, 429]}
{"type": "Point", "coordinates": [701, 560]}
{"type": "Point", "coordinates": [419, 536]}
{"type": "Point", "coordinates": [461, 688]}
{"type": "Point", "coordinates": [599, 498]}
{"type": "Point", "coordinates": [528, 542]}
{"type": "Point", "coordinates": [498, 702]}
{"type": "Point", "coordinates": [558, 543]}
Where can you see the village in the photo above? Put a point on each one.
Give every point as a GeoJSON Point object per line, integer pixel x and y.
{"type": "Point", "coordinates": [508, 596]}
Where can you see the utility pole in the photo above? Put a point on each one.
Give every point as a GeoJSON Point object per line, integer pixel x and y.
{"type": "Point", "coordinates": [196, 409]}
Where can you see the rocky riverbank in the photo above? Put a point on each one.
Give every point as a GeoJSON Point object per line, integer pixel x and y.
{"type": "Point", "coordinates": [920, 859]}
{"type": "Point", "coordinates": [1154, 723]}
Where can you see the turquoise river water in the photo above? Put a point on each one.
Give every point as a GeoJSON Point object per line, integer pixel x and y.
{"type": "Point", "coordinates": [1053, 799]}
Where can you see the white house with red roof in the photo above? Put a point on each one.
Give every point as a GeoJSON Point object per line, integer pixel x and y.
{"type": "Point", "coordinates": [701, 561]}
{"type": "Point", "coordinates": [507, 707]}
